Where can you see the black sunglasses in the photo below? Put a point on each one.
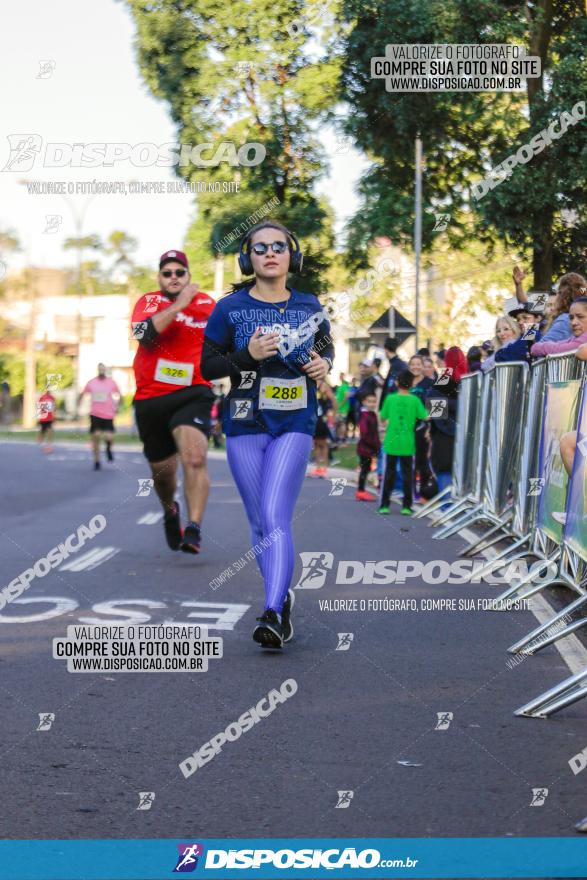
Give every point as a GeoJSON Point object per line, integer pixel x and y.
{"type": "Point", "coordinates": [179, 273]}
{"type": "Point", "coordinates": [278, 247]}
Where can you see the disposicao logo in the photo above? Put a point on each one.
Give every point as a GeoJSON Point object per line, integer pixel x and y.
{"type": "Point", "coordinates": [187, 861]}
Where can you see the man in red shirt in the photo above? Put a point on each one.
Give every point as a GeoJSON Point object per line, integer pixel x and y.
{"type": "Point", "coordinates": [173, 402]}
{"type": "Point", "coordinates": [46, 417]}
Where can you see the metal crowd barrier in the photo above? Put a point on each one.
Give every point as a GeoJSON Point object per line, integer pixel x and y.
{"type": "Point", "coordinates": [469, 458]}
{"type": "Point", "coordinates": [496, 453]}
{"type": "Point", "coordinates": [503, 454]}
{"type": "Point", "coordinates": [458, 496]}
{"type": "Point", "coordinates": [500, 436]}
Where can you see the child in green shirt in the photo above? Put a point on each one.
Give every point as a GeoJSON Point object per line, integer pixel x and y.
{"type": "Point", "coordinates": [401, 411]}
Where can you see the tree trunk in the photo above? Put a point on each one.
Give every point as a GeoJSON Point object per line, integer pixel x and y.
{"type": "Point", "coordinates": [539, 18]}
{"type": "Point", "coordinates": [542, 257]}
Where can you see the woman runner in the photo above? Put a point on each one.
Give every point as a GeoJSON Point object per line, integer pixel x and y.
{"type": "Point", "coordinates": [273, 342]}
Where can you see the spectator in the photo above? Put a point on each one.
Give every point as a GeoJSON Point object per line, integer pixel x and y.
{"type": "Point", "coordinates": [429, 370]}
{"type": "Point", "coordinates": [474, 356]}
{"type": "Point", "coordinates": [401, 412]}
{"type": "Point", "coordinates": [369, 384]}
{"type": "Point", "coordinates": [216, 417]}
{"type": "Point", "coordinates": [578, 337]}
{"type": "Point", "coordinates": [568, 288]}
{"type": "Point", "coordinates": [440, 355]}
{"type": "Point", "coordinates": [351, 419]}
{"type": "Point", "coordinates": [369, 443]}
{"type": "Point", "coordinates": [548, 313]}
{"type": "Point", "coordinates": [525, 315]}
{"type": "Point", "coordinates": [326, 402]}
{"type": "Point", "coordinates": [342, 407]}
{"type": "Point", "coordinates": [421, 382]}
{"type": "Point", "coordinates": [396, 366]}
{"type": "Point", "coordinates": [420, 387]}
{"type": "Point", "coordinates": [506, 330]}
{"type": "Point", "coordinates": [377, 372]}
{"type": "Point", "coordinates": [519, 349]}
{"type": "Point", "coordinates": [456, 362]}
{"type": "Point", "coordinates": [442, 431]}
{"type": "Point", "coordinates": [486, 350]}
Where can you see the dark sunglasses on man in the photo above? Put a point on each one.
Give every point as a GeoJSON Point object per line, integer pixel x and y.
{"type": "Point", "coordinates": [179, 273]}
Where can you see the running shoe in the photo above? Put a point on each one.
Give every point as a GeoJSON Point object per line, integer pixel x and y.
{"type": "Point", "coordinates": [315, 472]}
{"type": "Point", "coordinates": [96, 465]}
{"type": "Point", "coordinates": [109, 455]}
{"type": "Point", "coordinates": [383, 510]}
{"type": "Point", "coordinates": [286, 624]}
{"type": "Point", "coordinates": [268, 633]}
{"type": "Point", "coordinates": [172, 526]}
{"type": "Point", "coordinates": [407, 511]}
{"type": "Point", "coordinates": [322, 472]}
{"type": "Point", "coordinates": [364, 496]}
{"type": "Point", "coordinates": [191, 538]}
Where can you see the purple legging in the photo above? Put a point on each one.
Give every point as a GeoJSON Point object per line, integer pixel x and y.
{"type": "Point", "coordinates": [269, 472]}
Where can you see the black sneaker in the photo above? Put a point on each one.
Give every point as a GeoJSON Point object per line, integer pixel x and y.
{"type": "Point", "coordinates": [268, 632]}
{"type": "Point", "coordinates": [172, 526]}
{"type": "Point", "coordinates": [109, 455]}
{"type": "Point", "coordinates": [96, 465]}
{"type": "Point", "coordinates": [191, 538]}
{"type": "Point", "coordinates": [286, 624]}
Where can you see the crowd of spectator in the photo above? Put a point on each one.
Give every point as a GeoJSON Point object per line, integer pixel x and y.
{"type": "Point", "coordinates": [386, 409]}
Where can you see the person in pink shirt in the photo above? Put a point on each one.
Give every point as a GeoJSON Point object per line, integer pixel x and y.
{"type": "Point", "coordinates": [578, 343]}
{"type": "Point", "coordinates": [105, 394]}
{"type": "Point", "coordinates": [578, 320]}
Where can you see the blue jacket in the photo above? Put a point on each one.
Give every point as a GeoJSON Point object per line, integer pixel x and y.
{"type": "Point", "coordinates": [559, 329]}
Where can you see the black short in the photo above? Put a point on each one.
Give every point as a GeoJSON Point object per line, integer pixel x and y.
{"type": "Point", "coordinates": [98, 424]}
{"type": "Point", "coordinates": [157, 417]}
{"type": "Point", "coordinates": [321, 432]}
{"type": "Point", "coordinates": [44, 426]}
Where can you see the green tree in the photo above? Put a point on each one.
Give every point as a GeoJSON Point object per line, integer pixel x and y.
{"type": "Point", "coordinates": [56, 365]}
{"type": "Point", "coordinates": [465, 134]}
{"type": "Point", "coordinates": [246, 73]}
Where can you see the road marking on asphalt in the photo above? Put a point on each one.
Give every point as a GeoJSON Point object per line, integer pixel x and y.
{"type": "Point", "coordinates": [90, 560]}
{"type": "Point", "coordinates": [214, 615]}
{"type": "Point", "coordinates": [570, 648]}
{"type": "Point", "coordinates": [149, 519]}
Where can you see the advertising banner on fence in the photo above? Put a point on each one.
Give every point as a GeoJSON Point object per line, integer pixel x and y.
{"type": "Point", "coordinates": [560, 407]}
{"type": "Point", "coordinates": [575, 534]}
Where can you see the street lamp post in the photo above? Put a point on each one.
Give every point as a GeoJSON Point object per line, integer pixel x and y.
{"type": "Point", "coordinates": [78, 222]}
{"type": "Point", "coordinates": [418, 230]}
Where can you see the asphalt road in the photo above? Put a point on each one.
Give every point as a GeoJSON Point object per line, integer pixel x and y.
{"type": "Point", "coordinates": [362, 720]}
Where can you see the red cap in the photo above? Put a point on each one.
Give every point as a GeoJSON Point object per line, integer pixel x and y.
{"type": "Point", "coordinates": [173, 257]}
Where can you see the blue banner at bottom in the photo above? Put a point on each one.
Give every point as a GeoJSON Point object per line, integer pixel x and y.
{"type": "Point", "coordinates": [287, 858]}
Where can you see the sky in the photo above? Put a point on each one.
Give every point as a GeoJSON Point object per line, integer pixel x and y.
{"type": "Point", "coordinates": [75, 80]}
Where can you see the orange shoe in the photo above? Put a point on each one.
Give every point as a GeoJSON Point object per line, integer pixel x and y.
{"type": "Point", "coordinates": [364, 496]}
{"type": "Point", "coordinates": [315, 472]}
{"type": "Point", "coordinates": [323, 472]}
